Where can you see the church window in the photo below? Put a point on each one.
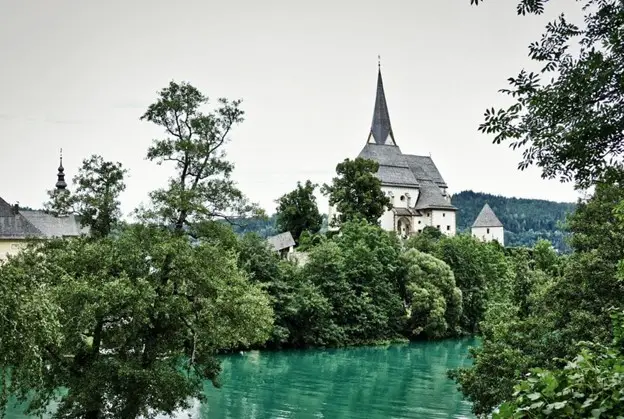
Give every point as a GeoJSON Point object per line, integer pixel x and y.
{"type": "Point", "coordinates": [488, 231]}
{"type": "Point", "coordinates": [443, 214]}
{"type": "Point", "coordinates": [448, 228]}
{"type": "Point", "coordinates": [418, 221]}
{"type": "Point", "coordinates": [402, 197]}
{"type": "Point", "coordinates": [438, 226]}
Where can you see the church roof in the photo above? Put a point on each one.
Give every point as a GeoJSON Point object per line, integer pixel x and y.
{"type": "Point", "coordinates": [13, 224]}
{"type": "Point", "coordinates": [281, 241]}
{"type": "Point", "coordinates": [381, 128]}
{"type": "Point", "coordinates": [487, 218]}
{"type": "Point", "coordinates": [52, 226]}
{"type": "Point", "coordinates": [431, 197]}
{"type": "Point", "coordinates": [21, 224]}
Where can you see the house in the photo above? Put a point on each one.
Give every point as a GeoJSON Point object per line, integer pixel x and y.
{"type": "Point", "coordinates": [18, 226]}
{"type": "Point", "coordinates": [487, 227]}
{"type": "Point", "coordinates": [417, 191]}
{"type": "Point", "coordinates": [283, 243]}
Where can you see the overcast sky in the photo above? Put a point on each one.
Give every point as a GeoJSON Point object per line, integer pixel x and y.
{"type": "Point", "coordinates": [79, 74]}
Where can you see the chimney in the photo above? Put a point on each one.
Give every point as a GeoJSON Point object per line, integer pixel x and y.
{"type": "Point", "coordinates": [16, 209]}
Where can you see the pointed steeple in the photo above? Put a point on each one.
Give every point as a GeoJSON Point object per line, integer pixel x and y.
{"type": "Point", "coordinates": [60, 183]}
{"type": "Point", "coordinates": [381, 130]}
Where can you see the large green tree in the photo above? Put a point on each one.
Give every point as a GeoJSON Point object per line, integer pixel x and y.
{"type": "Point", "coordinates": [356, 192]}
{"type": "Point", "coordinates": [127, 324]}
{"type": "Point", "coordinates": [568, 117]}
{"type": "Point", "coordinates": [202, 187]}
{"type": "Point", "coordinates": [297, 211]}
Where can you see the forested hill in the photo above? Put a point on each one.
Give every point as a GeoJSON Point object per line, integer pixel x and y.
{"type": "Point", "coordinates": [525, 220]}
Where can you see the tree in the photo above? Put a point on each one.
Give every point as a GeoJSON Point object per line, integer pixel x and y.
{"type": "Point", "coordinates": [569, 116]}
{"type": "Point", "coordinates": [356, 192]}
{"type": "Point", "coordinates": [97, 320]}
{"type": "Point", "coordinates": [590, 385]}
{"type": "Point", "coordinates": [434, 302]}
{"type": "Point", "coordinates": [297, 211]}
{"type": "Point", "coordinates": [96, 198]}
{"type": "Point", "coordinates": [99, 184]}
{"type": "Point", "coordinates": [201, 188]}
{"type": "Point", "coordinates": [129, 323]}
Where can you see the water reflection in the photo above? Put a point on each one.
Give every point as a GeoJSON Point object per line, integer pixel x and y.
{"type": "Point", "coordinates": [398, 381]}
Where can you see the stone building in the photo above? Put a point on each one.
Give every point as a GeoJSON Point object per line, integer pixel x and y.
{"type": "Point", "coordinates": [417, 190]}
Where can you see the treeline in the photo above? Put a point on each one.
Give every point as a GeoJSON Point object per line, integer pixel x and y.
{"type": "Point", "coordinates": [525, 220]}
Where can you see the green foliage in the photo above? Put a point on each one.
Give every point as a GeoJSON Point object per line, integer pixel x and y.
{"type": "Point", "coordinates": [434, 302]}
{"type": "Point", "coordinates": [551, 305]}
{"type": "Point", "coordinates": [127, 325]}
{"type": "Point", "coordinates": [590, 385]}
{"type": "Point", "coordinates": [202, 188]}
{"type": "Point", "coordinates": [480, 269]}
{"type": "Point", "coordinates": [567, 118]}
{"type": "Point", "coordinates": [98, 185]}
{"type": "Point", "coordinates": [357, 273]}
{"type": "Point", "coordinates": [297, 211]}
{"type": "Point", "coordinates": [356, 192]}
{"type": "Point", "coordinates": [526, 221]}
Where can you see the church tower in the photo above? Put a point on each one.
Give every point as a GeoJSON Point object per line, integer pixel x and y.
{"type": "Point", "coordinates": [60, 176]}
{"type": "Point", "coordinates": [487, 226]}
{"type": "Point", "coordinates": [381, 129]}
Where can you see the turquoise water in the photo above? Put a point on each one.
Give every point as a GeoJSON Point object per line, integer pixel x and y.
{"type": "Point", "coordinates": [397, 381]}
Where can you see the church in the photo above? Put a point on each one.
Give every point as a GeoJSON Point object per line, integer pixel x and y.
{"type": "Point", "coordinates": [417, 191]}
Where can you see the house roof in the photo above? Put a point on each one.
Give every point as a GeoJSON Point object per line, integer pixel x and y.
{"type": "Point", "coordinates": [35, 224]}
{"type": "Point", "coordinates": [281, 241]}
{"type": "Point", "coordinates": [431, 197]}
{"type": "Point", "coordinates": [487, 218]}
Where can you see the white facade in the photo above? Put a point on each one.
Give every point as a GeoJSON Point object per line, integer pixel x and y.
{"type": "Point", "coordinates": [488, 234]}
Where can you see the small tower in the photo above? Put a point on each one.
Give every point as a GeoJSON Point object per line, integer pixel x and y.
{"type": "Point", "coordinates": [487, 226]}
{"type": "Point", "coordinates": [60, 182]}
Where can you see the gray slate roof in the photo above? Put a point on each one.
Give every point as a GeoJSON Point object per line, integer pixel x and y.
{"type": "Point", "coordinates": [431, 197]}
{"type": "Point", "coordinates": [398, 169]}
{"type": "Point", "coordinates": [487, 218]}
{"type": "Point", "coordinates": [34, 224]}
{"type": "Point", "coordinates": [52, 226]}
{"type": "Point", "coordinates": [281, 241]}
{"type": "Point", "coordinates": [381, 128]}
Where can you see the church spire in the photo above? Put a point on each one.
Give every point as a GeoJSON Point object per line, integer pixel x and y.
{"type": "Point", "coordinates": [60, 183]}
{"type": "Point", "coordinates": [381, 130]}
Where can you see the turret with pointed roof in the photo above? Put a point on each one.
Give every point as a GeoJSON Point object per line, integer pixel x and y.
{"type": "Point", "coordinates": [487, 226]}
{"type": "Point", "coordinates": [487, 218]}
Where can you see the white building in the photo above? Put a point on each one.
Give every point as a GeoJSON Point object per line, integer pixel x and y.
{"type": "Point", "coordinates": [416, 189]}
{"type": "Point", "coordinates": [487, 226]}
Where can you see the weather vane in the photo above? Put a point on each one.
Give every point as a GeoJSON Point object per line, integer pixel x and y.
{"type": "Point", "coordinates": [379, 61]}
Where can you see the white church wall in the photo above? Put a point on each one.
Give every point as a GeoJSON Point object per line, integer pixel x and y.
{"type": "Point", "coordinates": [444, 221]}
{"type": "Point", "coordinates": [488, 234]}
{"type": "Point", "coordinates": [387, 221]}
{"type": "Point", "coordinates": [398, 192]}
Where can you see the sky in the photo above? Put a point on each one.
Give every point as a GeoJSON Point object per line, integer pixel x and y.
{"type": "Point", "coordinates": [78, 75]}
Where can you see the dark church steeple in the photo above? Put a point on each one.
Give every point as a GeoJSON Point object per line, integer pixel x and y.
{"type": "Point", "coordinates": [381, 130]}
{"type": "Point", "coordinates": [60, 183]}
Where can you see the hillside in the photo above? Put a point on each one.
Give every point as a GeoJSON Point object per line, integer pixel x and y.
{"type": "Point", "coordinates": [525, 220]}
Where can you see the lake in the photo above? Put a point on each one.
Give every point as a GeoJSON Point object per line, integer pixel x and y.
{"type": "Point", "coordinates": [396, 381]}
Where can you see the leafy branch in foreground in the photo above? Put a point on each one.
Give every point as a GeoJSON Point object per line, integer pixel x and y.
{"type": "Point", "coordinates": [568, 118]}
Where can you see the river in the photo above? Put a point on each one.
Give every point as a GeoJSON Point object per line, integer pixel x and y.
{"type": "Point", "coordinates": [396, 381]}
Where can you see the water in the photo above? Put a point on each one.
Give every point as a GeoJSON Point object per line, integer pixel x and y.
{"type": "Point", "coordinates": [394, 382]}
